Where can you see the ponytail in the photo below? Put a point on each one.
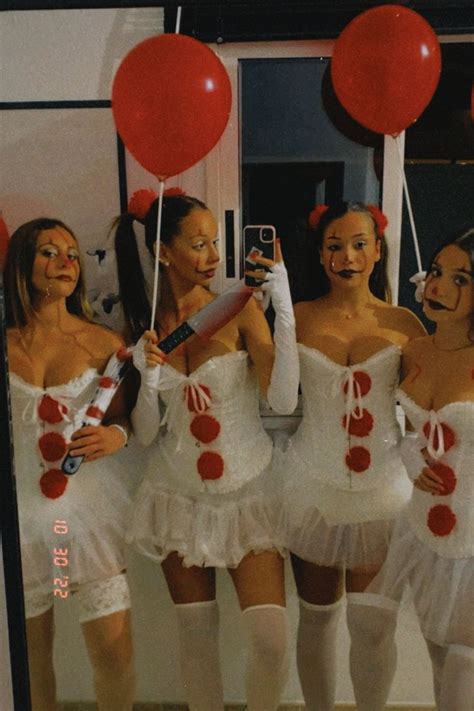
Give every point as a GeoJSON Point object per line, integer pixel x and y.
{"type": "Point", "coordinates": [133, 295]}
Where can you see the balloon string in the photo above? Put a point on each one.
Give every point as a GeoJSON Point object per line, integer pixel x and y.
{"type": "Point", "coordinates": [408, 202]}
{"type": "Point", "coordinates": [157, 255]}
{"type": "Point", "coordinates": [178, 20]}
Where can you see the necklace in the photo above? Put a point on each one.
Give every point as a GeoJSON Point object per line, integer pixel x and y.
{"type": "Point", "coordinates": [450, 350]}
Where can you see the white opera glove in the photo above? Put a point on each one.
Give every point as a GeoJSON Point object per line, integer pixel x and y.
{"type": "Point", "coordinates": [282, 392]}
{"type": "Point", "coordinates": [411, 455]}
{"type": "Point", "coordinates": [145, 415]}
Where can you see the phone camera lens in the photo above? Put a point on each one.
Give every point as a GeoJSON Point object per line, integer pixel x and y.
{"type": "Point", "coordinates": [267, 235]}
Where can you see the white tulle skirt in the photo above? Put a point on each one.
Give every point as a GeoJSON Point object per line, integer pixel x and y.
{"type": "Point", "coordinates": [442, 588]}
{"type": "Point", "coordinates": [207, 529]}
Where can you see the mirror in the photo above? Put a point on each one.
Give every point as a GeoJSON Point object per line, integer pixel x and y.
{"type": "Point", "coordinates": [63, 158]}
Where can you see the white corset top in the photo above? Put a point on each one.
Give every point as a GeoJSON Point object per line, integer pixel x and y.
{"type": "Point", "coordinates": [212, 437]}
{"type": "Point", "coordinates": [349, 433]}
{"type": "Point", "coordinates": [445, 522]}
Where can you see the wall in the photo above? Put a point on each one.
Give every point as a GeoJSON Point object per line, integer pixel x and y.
{"type": "Point", "coordinates": [59, 55]}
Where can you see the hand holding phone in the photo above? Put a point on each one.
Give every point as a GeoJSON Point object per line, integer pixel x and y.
{"type": "Point", "coordinates": [259, 242]}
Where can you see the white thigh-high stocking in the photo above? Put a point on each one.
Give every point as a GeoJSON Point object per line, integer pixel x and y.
{"type": "Point", "coordinates": [457, 683]}
{"type": "Point", "coordinates": [437, 655]}
{"type": "Point", "coordinates": [267, 664]}
{"type": "Point", "coordinates": [316, 653]}
{"type": "Point", "coordinates": [198, 624]}
{"type": "Point", "coordinates": [372, 621]}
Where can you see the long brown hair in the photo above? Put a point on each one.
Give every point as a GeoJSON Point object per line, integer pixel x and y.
{"type": "Point", "coordinates": [19, 289]}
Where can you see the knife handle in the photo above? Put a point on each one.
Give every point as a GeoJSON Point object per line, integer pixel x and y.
{"type": "Point", "coordinates": [178, 336]}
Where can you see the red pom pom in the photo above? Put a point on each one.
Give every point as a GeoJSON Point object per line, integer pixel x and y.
{"type": "Point", "coordinates": [441, 520]}
{"type": "Point", "coordinates": [359, 427]}
{"type": "Point", "coordinates": [315, 215]}
{"type": "Point", "coordinates": [363, 381]}
{"type": "Point", "coordinates": [53, 483]}
{"type": "Point", "coordinates": [51, 410]}
{"type": "Point", "coordinates": [194, 400]}
{"type": "Point", "coordinates": [449, 438]}
{"type": "Point", "coordinates": [52, 446]}
{"type": "Point", "coordinates": [358, 459]}
{"type": "Point", "coordinates": [205, 428]}
{"type": "Point", "coordinates": [106, 382]}
{"type": "Point", "coordinates": [380, 220]}
{"type": "Point", "coordinates": [124, 354]}
{"type": "Point", "coordinates": [210, 465]}
{"type": "Point", "coordinates": [174, 192]}
{"type": "Point", "coordinates": [140, 202]}
{"type": "Point", "coordinates": [447, 475]}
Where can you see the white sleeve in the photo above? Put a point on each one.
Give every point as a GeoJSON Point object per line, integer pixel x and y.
{"type": "Point", "coordinates": [282, 394]}
{"type": "Point", "coordinates": [412, 458]}
{"type": "Point", "coordinates": [145, 415]}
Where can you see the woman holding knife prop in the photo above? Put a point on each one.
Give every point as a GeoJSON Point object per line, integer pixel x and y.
{"type": "Point", "coordinates": [206, 500]}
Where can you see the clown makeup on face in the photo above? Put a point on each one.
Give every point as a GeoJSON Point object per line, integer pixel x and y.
{"type": "Point", "coordinates": [193, 254]}
{"type": "Point", "coordinates": [350, 249]}
{"type": "Point", "coordinates": [449, 289]}
{"type": "Point", "coordinates": [56, 265]}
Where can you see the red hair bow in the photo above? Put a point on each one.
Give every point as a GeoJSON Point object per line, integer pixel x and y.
{"type": "Point", "coordinates": [140, 202]}
{"type": "Point", "coordinates": [380, 220]}
{"type": "Point", "coordinates": [315, 215]}
{"type": "Point", "coordinates": [174, 192]}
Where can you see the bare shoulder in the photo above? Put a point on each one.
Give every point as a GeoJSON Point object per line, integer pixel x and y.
{"type": "Point", "coordinates": [251, 320]}
{"type": "Point", "coordinates": [306, 309]}
{"type": "Point", "coordinates": [406, 322]}
{"type": "Point", "coordinates": [416, 347]}
{"type": "Point", "coordinates": [104, 339]}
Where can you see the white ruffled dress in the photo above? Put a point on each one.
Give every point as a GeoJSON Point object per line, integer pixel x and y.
{"type": "Point", "coordinates": [82, 516]}
{"type": "Point", "coordinates": [432, 548]}
{"type": "Point", "coordinates": [207, 492]}
{"type": "Point", "coordinates": [343, 480]}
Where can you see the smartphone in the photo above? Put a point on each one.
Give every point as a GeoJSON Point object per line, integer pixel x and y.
{"type": "Point", "coordinates": [259, 240]}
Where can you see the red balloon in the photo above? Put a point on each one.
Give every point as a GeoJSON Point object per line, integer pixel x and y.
{"type": "Point", "coordinates": [171, 100]}
{"type": "Point", "coordinates": [385, 68]}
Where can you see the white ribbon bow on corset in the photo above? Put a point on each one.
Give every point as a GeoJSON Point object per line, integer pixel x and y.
{"type": "Point", "coordinates": [191, 389]}
{"type": "Point", "coordinates": [436, 430]}
{"type": "Point", "coordinates": [34, 404]}
{"type": "Point", "coordinates": [353, 400]}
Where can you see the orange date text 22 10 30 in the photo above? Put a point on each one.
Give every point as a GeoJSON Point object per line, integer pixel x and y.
{"type": "Point", "coordinates": [61, 561]}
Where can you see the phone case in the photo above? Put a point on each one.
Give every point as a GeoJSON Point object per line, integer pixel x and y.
{"type": "Point", "coordinates": [258, 240]}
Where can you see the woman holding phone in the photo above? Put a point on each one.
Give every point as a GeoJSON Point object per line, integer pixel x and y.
{"type": "Point", "coordinates": [344, 480]}
{"type": "Point", "coordinates": [206, 501]}
{"type": "Point", "coordinates": [72, 529]}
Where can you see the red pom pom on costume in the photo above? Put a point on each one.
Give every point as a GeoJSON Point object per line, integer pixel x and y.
{"type": "Point", "coordinates": [106, 382]}
{"type": "Point", "coordinates": [380, 220]}
{"type": "Point", "coordinates": [363, 381]}
{"type": "Point", "coordinates": [194, 400]}
{"type": "Point", "coordinates": [210, 465]}
{"type": "Point", "coordinates": [447, 475]}
{"type": "Point", "coordinates": [441, 520]}
{"type": "Point", "coordinates": [205, 428]}
{"type": "Point", "coordinates": [174, 192]}
{"type": "Point", "coordinates": [51, 410]}
{"type": "Point", "coordinates": [359, 427]}
{"type": "Point", "coordinates": [140, 202]}
{"type": "Point", "coordinates": [52, 446]}
{"type": "Point", "coordinates": [449, 438]}
{"type": "Point", "coordinates": [358, 459]}
{"type": "Point", "coordinates": [53, 483]}
{"type": "Point", "coordinates": [315, 215]}
{"type": "Point", "coordinates": [124, 354]}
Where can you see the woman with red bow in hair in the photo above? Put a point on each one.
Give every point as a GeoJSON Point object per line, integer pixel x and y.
{"type": "Point", "coordinates": [344, 479]}
{"type": "Point", "coordinates": [72, 528]}
{"type": "Point", "coordinates": [432, 547]}
{"type": "Point", "coordinates": [207, 500]}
